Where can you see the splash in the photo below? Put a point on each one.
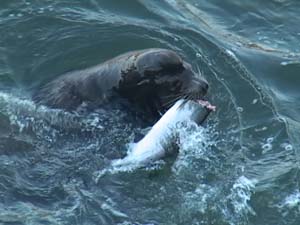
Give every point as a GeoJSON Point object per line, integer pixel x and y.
{"type": "Point", "coordinates": [239, 198]}
{"type": "Point", "coordinates": [162, 140]}
{"type": "Point", "coordinates": [25, 116]}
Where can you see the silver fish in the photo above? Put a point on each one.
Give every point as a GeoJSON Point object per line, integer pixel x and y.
{"type": "Point", "coordinates": [159, 141]}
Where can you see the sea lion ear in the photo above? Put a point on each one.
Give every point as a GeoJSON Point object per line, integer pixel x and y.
{"type": "Point", "coordinates": [152, 62]}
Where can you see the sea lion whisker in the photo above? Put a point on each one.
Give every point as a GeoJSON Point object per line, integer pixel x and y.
{"type": "Point", "coordinates": [198, 70]}
{"type": "Point", "coordinates": [171, 96]}
{"type": "Point", "coordinates": [188, 97]}
{"type": "Point", "coordinates": [169, 103]}
{"type": "Point", "coordinates": [173, 100]}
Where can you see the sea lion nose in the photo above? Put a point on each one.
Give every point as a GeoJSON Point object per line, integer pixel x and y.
{"type": "Point", "coordinates": [204, 86]}
{"type": "Point", "coordinates": [200, 86]}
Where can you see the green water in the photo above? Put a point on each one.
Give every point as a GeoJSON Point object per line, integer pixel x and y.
{"type": "Point", "coordinates": [241, 168]}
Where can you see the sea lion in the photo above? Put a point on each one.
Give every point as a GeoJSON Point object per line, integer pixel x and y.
{"type": "Point", "coordinates": [153, 79]}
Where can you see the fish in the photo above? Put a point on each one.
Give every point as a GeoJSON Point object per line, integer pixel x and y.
{"type": "Point", "coordinates": [159, 142]}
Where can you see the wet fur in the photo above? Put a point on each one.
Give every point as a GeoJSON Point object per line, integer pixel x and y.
{"type": "Point", "coordinates": [153, 79]}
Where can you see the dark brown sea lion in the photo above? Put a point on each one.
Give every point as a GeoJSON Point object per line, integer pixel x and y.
{"type": "Point", "coordinates": [153, 79]}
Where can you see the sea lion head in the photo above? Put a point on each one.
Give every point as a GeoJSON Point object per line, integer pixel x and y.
{"type": "Point", "coordinates": [158, 78]}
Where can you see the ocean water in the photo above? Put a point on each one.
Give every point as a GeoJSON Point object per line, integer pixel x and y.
{"type": "Point", "coordinates": [241, 167]}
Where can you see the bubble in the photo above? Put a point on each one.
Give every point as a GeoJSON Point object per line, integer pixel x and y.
{"type": "Point", "coordinates": [266, 147]}
{"type": "Point", "coordinates": [261, 129]}
{"type": "Point", "coordinates": [239, 44]}
{"type": "Point", "coordinates": [41, 10]}
{"type": "Point", "coordinates": [19, 15]}
{"type": "Point", "coordinates": [254, 101]}
{"type": "Point", "coordinates": [284, 63]}
{"type": "Point", "coordinates": [270, 139]}
{"type": "Point", "coordinates": [240, 109]}
{"type": "Point", "coordinates": [287, 146]}
{"type": "Point", "coordinates": [198, 55]}
{"type": "Point", "coordinates": [262, 38]}
{"type": "Point", "coordinates": [229, 52]}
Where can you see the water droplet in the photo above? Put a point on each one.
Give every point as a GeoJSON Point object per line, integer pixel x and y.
{"type": "Point", "coordinates": [254, 101]}
{"type": "Point", "coordinates": [41, 10]}
{"type": "Point", "coordinates": [287, 146]}
{"type": "Point", "coordinates": [266, 147]}
{"type": "Point", "coordinates": [240, 109]}
{"type": "Point", "coordinates": [238, 44]}
{"type": "Point", "coordinates": [230, 53]}
{"type": "Point", "coordinates": [261, 129]}
{"type": "Point", "coordinates": [11, 15]}
{"type": "Point", "coordinates": [284, 63]}
{"type": "Point", "coordinates": [19, 14]}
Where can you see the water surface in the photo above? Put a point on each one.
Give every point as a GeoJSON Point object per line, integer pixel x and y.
{"type": "Point", "coordinates": [241, 168]}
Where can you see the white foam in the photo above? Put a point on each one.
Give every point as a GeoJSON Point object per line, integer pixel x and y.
{"type": "Point", "coordinates": [24, 114]}
{"type": "Point", "coordinates": [194, 142]}
{"type": "Point", "coordinates": [240, 196]}
{"type": "Point", "coordinates": [291, 201]}
{"type": "Point", "coordinates": [197, 201]}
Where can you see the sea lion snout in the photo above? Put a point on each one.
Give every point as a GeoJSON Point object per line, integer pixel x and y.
{"type": "Point", "coordinates": [198, 87]}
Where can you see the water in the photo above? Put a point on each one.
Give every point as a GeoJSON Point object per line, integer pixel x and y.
{"type": "Point", "coordinates": [241, 168]}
